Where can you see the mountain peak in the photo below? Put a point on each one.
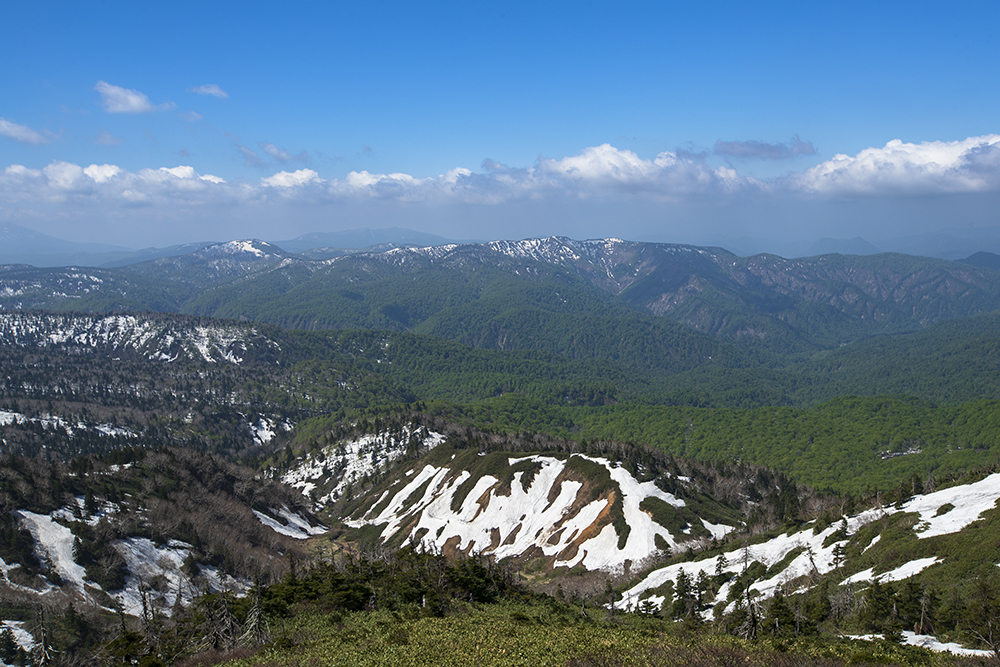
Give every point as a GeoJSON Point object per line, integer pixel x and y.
{"type": "Point", "coordinates": [261, 249]}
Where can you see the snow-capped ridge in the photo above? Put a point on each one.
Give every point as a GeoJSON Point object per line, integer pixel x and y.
{"type": "Point", "coordinates": [820, 552]}
{"type": "Point", "coordinates": [547, 507]}
{"type": "Point", "coordinates": [155, 338]}
{"type": "Point", "coordinates": [327, 474]}
{"type": "Point", "coordinates": [242, 247]}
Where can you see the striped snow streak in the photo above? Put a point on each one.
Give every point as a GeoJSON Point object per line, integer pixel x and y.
{"type": "Point", "coordinates": [548, 515]}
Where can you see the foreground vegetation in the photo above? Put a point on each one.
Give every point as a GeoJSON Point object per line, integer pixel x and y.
{"type": "Point", "coordinates": [414, 608]}
{"type": "Point", "coordinates": [543, 634]}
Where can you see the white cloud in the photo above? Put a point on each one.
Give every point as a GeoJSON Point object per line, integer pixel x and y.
{"type": "Point", "coordinates": [191, 116]}
{"type": "Point", "coordinates": [102, 173]}
{"type": "Point", "coordinates": [602, 178]}
{"type": "Point", "coordinates": [599, 172]}
{"type": "Point", "coordinates": [22, 172]}
{"type": "Point", "coordinates": [284, 179]}
{"type": "Point", "coordinates": [183, 177]}
{"type": "Point", "coordinates": [932, 167]}
{"type": "Point", "coordinates": [210, 89]}
{"type": "Point", "coordinates": [22, 133]}
{"type": "Point", "coordinates": [63, 175]}
{"type": "Point", "coordinates": [104, 184]}
{"type": "Point", "coordinates": [605, 170]}
{"type": "Point", "coordinates": [116, 99]}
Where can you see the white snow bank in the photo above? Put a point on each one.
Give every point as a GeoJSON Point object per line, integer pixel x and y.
{"type": "Point", "coordinates": [21, 636]}
{"type": "Point", "coordinates": [295, 525]}
{"type": "Point", "coordinates": [969, 501]}
{"type": "Point", "coordinates": [8, 418]}
{"type": "Point", "coordinates": [718, 530]}
{"type": "Point", "coordinates": [904, 571]}
{"type": "Point", "coordinates": [352, 460]}
{"type": "Point", "coordinates": [545, 516]}
{"type": "Point", "coordinates": [56, 541]}
{"type": "Point", "coordinates": [149, 564]}
{"type": "Point", "coordinates": [932, 643]}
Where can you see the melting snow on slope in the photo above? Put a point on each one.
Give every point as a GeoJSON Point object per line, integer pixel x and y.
{"type": "Point", "coordinates": [54, 422]}
{"type": "Point", "coordinates": [931, 643]}
{"type": "Point", "coordinates": [56, 541]}
{"type": "Point", "coordinates": [904, 571]}
{"type": "Point", "coordinates": [265, 429]}
{"type": "Point", "coordinates": [7, 418]}
{"type": "Point", "coordinates": [156, 340]}
{"type": "Point", "coordinates": [519, 519]}
{"type": "Point", "coordinates": [157, 569]}
{"type": "Point", "coordinates": [295, 525]}
{"type": "Point", "coordinates": [812, 556]}
{"type": "Point", "coordinates": [146, 563]}
{"type": "Point", "coordinates": [969, 500]}
{"type": "Point", "coordinates": [352, 461]}
{"type": "Point", "coordinates": [21, 636]}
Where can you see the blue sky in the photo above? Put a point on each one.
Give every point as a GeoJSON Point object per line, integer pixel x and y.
{"type": "Point", "coordinates": [141, 125]}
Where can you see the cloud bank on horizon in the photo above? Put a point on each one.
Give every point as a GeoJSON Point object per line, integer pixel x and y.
{"type": "Point", "coordinates": [600, 174]}
{"type": "Point", "coordinates": [939, 167]}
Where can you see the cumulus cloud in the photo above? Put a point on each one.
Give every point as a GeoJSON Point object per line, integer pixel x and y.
{"type": "Point", "coordinates": [764, 151]}
{"type": "Point", "coordinates": [22, 133]}
{"type": "Point", "coordinates": [597, 172]}
{"type": "Point", "coordinates": [64, 175]}
{"type": "Point", "coordinates": [19, 171]}
{"type": "Point", "coordinates": [598, 176]}
{"type": "Point", "coordinates": [210, 89]}
{"type": "Point", "coordinates": [284, 179]}
{"type": "Point", "coordinates": [116, 99]}
{"type": "Point", "coordinates": [102, 173]}
{"type": "Point", "coordinates": [107, 184]}
{"type": "Point", "coordinates": [932, 167]}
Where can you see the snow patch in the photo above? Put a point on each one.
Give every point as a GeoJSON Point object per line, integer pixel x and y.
{"type": "Point", "coordinates": [932, 643]}
{"type": "Point", "coordinates": [156, 570]}
{"type": "Point", "coordinates": [969, 501]}
{"type": "Point", "coordinates": [21, 636]}
{"type": "Point", "coordinates": [346, 463]}
{"type": "Point", "coordinates": [904, 571]}
{"type": "Point", "coordinates": [56, 542]}
{"type": "Point", "coordinates": [295, 525]}
{"type": "Point", "coordinates": [516, 519]}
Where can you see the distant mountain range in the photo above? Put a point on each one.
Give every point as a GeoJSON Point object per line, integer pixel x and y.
{"type": "Point", "coordinates": [580, 299]}
{"type": "Point", "coordinates": [20, 245]}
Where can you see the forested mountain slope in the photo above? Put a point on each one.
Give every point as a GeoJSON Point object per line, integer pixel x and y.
{"type": "Point", "coordinates": [532, 294]}
{"type": "Point", "coordinates": [140, 529]}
